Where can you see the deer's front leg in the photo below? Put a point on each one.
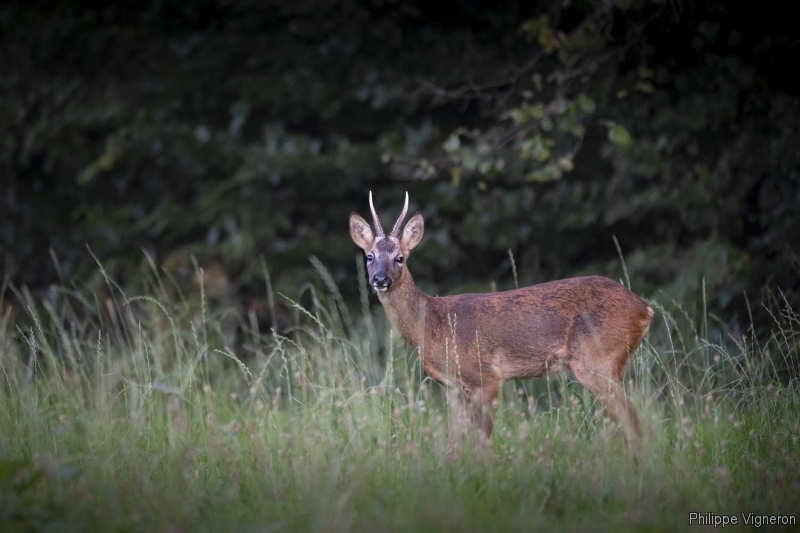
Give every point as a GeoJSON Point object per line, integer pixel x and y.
{"type": "Point", "coordinates": [458, 420]}
{"type": "Point", "coordinates": [482, 408]}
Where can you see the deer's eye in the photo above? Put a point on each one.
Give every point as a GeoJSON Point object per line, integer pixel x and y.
{"type": "Point", "coordinates": [370, 257]}
{"type": "Point", "coordinates": [399, 259]}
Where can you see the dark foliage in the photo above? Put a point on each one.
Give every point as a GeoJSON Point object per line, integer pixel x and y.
{"type": "Point", "coordinates": [230, 130]}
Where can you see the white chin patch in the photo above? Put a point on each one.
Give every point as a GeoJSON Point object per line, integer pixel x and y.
{"type": "Point", "coordinates": [379, 289]}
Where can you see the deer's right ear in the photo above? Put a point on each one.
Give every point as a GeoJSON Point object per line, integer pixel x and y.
{"type": "Point", "coordinates": [361, 233]}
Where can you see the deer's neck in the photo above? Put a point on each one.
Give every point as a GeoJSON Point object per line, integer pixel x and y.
{"type": "Point", "coordinates": [406, 306]}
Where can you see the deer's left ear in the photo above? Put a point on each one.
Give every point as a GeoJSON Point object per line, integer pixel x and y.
{"type": "Point", "coordinates": [361, 233]}
{"type": "Point", "coordinates": [412, 233]}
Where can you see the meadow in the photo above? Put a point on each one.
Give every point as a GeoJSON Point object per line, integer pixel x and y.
{"type": "Point", "coordinates": [135, 412]}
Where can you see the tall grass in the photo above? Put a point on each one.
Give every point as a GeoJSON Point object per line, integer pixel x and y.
{"type": "Point", "coordinates": [130, 412]}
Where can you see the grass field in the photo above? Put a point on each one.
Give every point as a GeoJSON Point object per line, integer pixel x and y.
{"type": "Point", "coordinates": [128, 413]}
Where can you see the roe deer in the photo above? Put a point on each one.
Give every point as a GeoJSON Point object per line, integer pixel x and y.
{"type": "Point", "coordinates": [473, 342]}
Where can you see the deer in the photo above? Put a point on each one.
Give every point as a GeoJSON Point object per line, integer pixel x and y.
{"type": "Point", "coordinates": [472, 343]}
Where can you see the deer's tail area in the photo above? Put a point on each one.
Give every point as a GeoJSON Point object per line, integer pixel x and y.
{"type": "Point", "coordinates": [646, 321]}
{"type": "Point", "coordinates": [639, 328]}
{"type": "Point", "coordinates": [649, 319]}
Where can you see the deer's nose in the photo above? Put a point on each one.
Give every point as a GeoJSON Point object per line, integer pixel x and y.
{"type": "Point", "coordinates": [381, 281]}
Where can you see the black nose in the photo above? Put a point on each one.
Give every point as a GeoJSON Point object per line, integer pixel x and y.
{"type": "Point", "coordinates": [381, 280]}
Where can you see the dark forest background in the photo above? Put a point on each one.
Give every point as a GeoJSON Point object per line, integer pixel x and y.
{"type": "Point", "coordinates": [229, 131]}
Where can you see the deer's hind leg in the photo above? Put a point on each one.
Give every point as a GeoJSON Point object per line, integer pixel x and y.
{"type": "Point", "coordinates": [606, 386]}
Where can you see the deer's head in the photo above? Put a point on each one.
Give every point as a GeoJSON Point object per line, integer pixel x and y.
{"type": "Point", "coordinates": [386, 254]}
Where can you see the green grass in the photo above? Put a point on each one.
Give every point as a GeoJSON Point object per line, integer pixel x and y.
{"type": "Point", "coordinates": [127, 414]}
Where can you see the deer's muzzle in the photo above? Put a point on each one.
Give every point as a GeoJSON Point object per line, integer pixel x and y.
{"type": "Point", "coordinates": [381, 282]}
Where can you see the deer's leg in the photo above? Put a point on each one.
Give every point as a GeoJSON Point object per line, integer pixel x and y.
{"type": "Point", "coordinates": [458, 419]}
{"type": "Point", "coordinates": [607, 388]}
{"type": "Point", "coordinates": [482, 408]}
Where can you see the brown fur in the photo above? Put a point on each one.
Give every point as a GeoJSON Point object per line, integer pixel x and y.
{"type": "Point", "coordinates": [473, 342]}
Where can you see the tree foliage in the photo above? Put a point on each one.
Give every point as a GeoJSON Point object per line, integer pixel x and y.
{"type": "Point", "coordinates": [231, 130]}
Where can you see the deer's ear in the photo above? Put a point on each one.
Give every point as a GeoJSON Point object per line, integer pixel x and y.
{"type": "Point", "coordinates": [361, 233]}
{"type": "Point", "coordinates": [413, 231]}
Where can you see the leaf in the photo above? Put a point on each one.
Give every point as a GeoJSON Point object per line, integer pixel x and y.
{"type": "Point", "coordinates": [587, 104]}
{"type": "Point", "coordinates": [565, 164]}
{"type": "Point", "coordinates": [518, 115]}
{"type": "Point", "coordinates": [646, 72]}
{"type": "Point", "coordinates": [526, 147]}
{"type": "Point", "coordinates": [455, 174]}
{"type": "Point", "coordinates": [469, 161]}
{"type": "Point", "coordinates": [114, 150]}
{"type": "Point", "coordinates": [452, 144]}
{"type": "Point", "coordinates": [543, 154]}
{"type": "Point", "coordinates": [619, 135]}
{"type": "Point", "coordinates": [546, 173]}
{"type": "Point", "coordinates": [575, 128]}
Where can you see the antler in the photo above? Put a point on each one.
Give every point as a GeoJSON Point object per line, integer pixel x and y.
{"type": "Point", "coordinates": [375, 219]}
{"type": "Point", "coordinates": [396, 228]}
